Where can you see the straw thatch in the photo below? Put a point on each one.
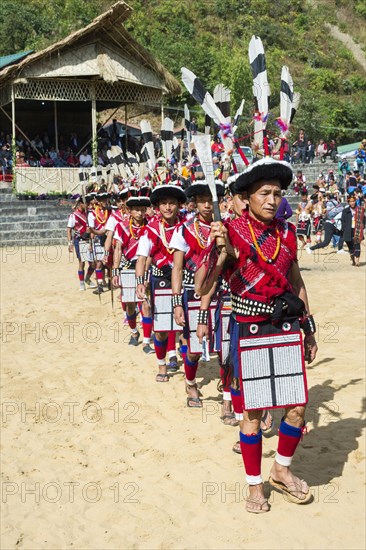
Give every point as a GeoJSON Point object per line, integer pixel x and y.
{"type": "Point", "coordinates": [108, 27]}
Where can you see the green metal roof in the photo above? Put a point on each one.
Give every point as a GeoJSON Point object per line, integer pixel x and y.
{"type": "Point", "coordinates": [13, 58]}
{"type": "Point", "coordinates": [348, 148]}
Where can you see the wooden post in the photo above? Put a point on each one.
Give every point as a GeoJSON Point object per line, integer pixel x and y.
{"type": "Point", "coordinates": [13, 144]}
{"type": "Point", "coordinates": [13, 113]}
{"type": "Point", "coordinates": [94, 125]}
{"type": "Point", "coordinates": [55, 122]}
{"type": "Point", "coordinates": [126, 140]}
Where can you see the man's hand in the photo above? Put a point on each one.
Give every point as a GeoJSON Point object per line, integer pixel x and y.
{"type": "Point", "coordinates": [179, 316]}
{"type": "Point", "coordinates": [116, 281]}
{"type": "Point", "coordinates": [105, 258]}
{"type": "Point", "coordinates": [71, 247]}
{"type": "Point", "coordinates": [310, 348]}
{"type": "Point", "coordinates": [202, 330]}
{"type": "Point", "coordinates": [141, 291]}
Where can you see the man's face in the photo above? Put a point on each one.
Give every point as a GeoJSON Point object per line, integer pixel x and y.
{"type": "Point", "coordinates": [137, 213]}
{"type": "Point", "coordinates": [239, 204]}
{"type": "Point", "coordinates": [264, 199]}
{"type": "Point", "coordinates": [204, 206]}
{"type": "Point", "coordinates": [191, 206]}
{"type": "Point", "coordinates": [352, 202]}
{"type": "Point", "coordinates": [168, 208]}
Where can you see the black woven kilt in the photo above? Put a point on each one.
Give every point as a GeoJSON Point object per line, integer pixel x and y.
{"type": "Point", "coordinates": [269, 362]}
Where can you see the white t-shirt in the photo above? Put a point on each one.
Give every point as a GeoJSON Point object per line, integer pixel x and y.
{"type": "Point", "coordinates": [178, 242]}
{"type": "Point", "coordinates": [91, 220]}
{"type": "Point", "coordinates": [111, 223]}
{"type": "Point", "coordinates": [145, 246]}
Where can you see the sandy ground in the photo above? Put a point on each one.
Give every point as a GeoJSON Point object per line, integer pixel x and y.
{"type": "Point", "coordinates": [96, 455]}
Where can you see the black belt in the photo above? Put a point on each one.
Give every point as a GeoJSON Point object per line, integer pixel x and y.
{"type": "Point", "coordinates": [127, 264]}
{"type": "Point", "coordinates": [188, 278]}
{"type": "Point", "coordinates": [246, 306]}
{"type": "Point", "coordinates": [165, 271]}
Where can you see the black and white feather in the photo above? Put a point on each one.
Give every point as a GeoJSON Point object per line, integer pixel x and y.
{"type": "Point", "coordinates": [222, 99]}
{"type": "Point", "coordinates": [147, 135]}
{"type": "Point", "coordinates": [238, 114]}
{"type": "Point", "coordinates": [167, 137]}
{"type": "Point", "coordinates": [207, 102]}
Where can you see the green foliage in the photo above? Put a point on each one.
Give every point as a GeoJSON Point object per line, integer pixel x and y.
{"type": "Point", "coordinates": [211, 38]}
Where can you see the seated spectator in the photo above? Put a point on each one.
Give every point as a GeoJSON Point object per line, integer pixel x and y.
{"type": "Point", "coordinates": [19, 141]}
{"type": "Point", "coordinates": [332, 150]}
{"type": "Point", "coordinates": [53, 153]}
{"type": "Point", "coordinates": [6, 158]}
{"type": "Point", "coordinates": [85, 159]}
{"type": "Point", "coordinates": [60, 162]}
{"type": "Point", "coordinates": [46, 160]}
{"type": "Point", "coordinates": [37, 143]}
{"type": "Point", "coordinates": [321, 150]}
{"type": "Point", "coordinates": [46, 140]}
{"type": "Point", "coordinates": [100, 159]}
{"type": "Point", "coordinates": [20, 161]}
{"type": "Point", "coordinates": [32, 161]}
{"type": "Point", "coordinates": [72, 160]}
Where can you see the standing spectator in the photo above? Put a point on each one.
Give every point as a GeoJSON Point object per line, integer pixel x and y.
{"type": "Point", "coordinates": [194, 127]}
{"type": "Point", "coordinates": [352, 228]}
{"type": "Point", "coordinates": [299, 182]}
{"type": "Point", "coordinates": [360, 160]}
{"type": "Point", "coordinates": [74, 142]}
{"type": "Point", "coordinates": [284, 211]}
{"type": "Point", "coordinates": [343, 168]}
{"type": "Point", "coordinates": [310, 152]}
{"type": "Point", "coordinates": [301, 143]}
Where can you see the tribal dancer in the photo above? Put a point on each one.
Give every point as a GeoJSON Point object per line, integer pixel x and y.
{"type": "Point", "coordinates": [188, 242]}
{"type": "Point", "coordinates": [118, 214]}
{"type": "Point", "coordinates": [76, 231]}
{"type": "Point", "coordinates": [303, 219]}
{"type": "Point", "coordinates": [270, 304]}
{"type": "Point", "coordinates": [318, 214]}
{"type": "Point", "coordinates": [97, 219]}
{"type": "Point", "coordinates": [127, 234]}
{"type": "Point", "coordinates": [155, 244]}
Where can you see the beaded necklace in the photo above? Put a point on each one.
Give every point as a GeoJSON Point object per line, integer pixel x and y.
{"type": "Point", "coordinates": [257, 247]}
{"type": "Point", "coordinates": [131, 230]}
{"type": "Point", "coordinates": [202, 241]}
{"type": "Point", "coordinates": [97, 215]}
{"type": "Point", "coordinates": [163, 236]}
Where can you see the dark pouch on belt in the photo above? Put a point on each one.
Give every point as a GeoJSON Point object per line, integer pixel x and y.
{"type": "Point", "coordinates": [288, 306]}
{"type": "Point", "coordinates": [85, 236]}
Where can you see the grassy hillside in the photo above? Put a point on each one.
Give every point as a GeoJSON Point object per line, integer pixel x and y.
{"type": "Point", "coordinates": [211, 38]}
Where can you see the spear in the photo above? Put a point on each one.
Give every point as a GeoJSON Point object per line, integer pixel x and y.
{"type": "Point", "coordinates": [203, 146]}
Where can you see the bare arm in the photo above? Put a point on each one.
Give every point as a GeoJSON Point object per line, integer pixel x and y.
{"type": "Point", "coordinates": [204, 285]}
{"type": "Point", "coordinates": [298, 285]}
{"type": "Point", "coordinates": [116, 261]}
{"type": "Point", "coordinates": [177, 272]}
{"type": "Point", "coordinates": [177, 278]}
{"type": "Point", "coordinates": [140, 272]}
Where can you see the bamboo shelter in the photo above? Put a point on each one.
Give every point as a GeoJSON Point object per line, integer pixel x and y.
{"type": "Point", "coordinates": [95, 68]}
